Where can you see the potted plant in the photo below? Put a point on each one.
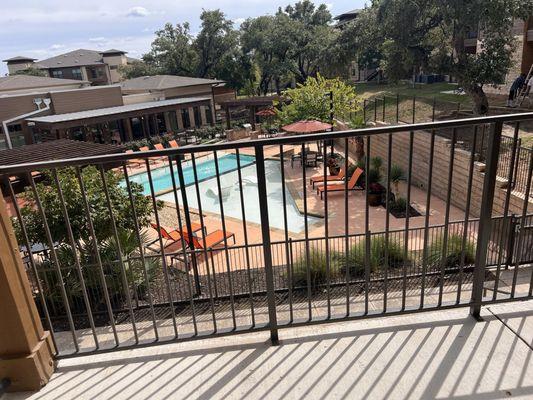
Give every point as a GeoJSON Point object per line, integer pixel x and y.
{"type": "Point", "coordinates": [375, 194]}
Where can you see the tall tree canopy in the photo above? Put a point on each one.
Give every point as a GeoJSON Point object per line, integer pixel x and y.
{"type": "Point", "coordinates": [429, 35]}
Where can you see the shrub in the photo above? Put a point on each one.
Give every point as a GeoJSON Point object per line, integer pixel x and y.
{"type": "Point", "coordinates": [376, 163]}
{"type": "Point", "coordinates": [317, 269]}
{"type": "Point", "coordinates": [357, 256]}
{"type": "Point", "coordinates": [452, 257]}
{"type": "Point", "coordinates": [398, 206]}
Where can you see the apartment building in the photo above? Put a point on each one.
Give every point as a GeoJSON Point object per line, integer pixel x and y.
{"type": "Point", "coordinates": [97, 67]}
{"type": "Point", "coordinates": [38, 109]}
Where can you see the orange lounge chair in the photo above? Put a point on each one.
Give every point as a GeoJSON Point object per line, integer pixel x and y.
{"type": "Point", "coordinates": [134, 161]}
{"type": "Point", "coordinates": [173, 235]}
{"type": "Point", "coordinates": [173, 144]}
{"type": "Point", "coordinates": [352, 184]}
{"type": "Point", "coordinates": [150, 160]}
{"type": "Point", "coordinates": [211, 240]}
{"type": "Point", "coordinates": [319, 179]}
{"type": "Point", "coordinates": [159, 146]}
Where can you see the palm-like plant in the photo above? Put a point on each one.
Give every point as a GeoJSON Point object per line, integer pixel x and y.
{"type": "Point", "coordinates": [396, 175]}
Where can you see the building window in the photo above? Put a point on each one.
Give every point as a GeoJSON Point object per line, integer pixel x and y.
{"type": "Point", "coordinates": [57, 74]}
{"type": "Point", "coordinates": [76, 74]}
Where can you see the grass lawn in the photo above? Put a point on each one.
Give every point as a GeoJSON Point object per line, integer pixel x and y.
{"type": "Point", "coordinates": [370, 90]}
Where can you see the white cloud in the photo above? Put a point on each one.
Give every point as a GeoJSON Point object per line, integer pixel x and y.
{"type": "Point", "coordinates": [57, 46]}
{"type": "Point", "coordinates": [239, 21]}
{"type": "Point", "coordinates": [99, 39]}
{"type": "Point", "coordinates": [138, 12]}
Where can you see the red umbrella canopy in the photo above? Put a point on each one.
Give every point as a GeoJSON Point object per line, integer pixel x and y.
{"type": "Point", "coordinates": [267, 112]}
{"type": "Point", "coordinates": [307, 127]}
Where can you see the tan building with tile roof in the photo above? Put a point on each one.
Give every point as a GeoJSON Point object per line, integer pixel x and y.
{"type": "Point", "coordinates": [97, 67]}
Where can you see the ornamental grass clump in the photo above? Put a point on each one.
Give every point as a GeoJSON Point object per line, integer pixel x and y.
{"type": "Point", "coordinates": [313, 270]}
{"type": "Point", "coordinates": [381, 253]}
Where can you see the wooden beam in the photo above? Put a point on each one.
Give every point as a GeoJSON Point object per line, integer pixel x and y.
{"type": "Point", "coordinates": [26, 350]}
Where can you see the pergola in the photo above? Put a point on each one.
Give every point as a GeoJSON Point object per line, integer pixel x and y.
{"type": "Point", "coordinates": [250, 103]}
{"type": "Point", "coordinates": [58, 125]}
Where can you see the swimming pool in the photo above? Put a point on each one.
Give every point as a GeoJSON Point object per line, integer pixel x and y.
{"type": "Point", "coordinates": [229, 183]}
{"type": "Point", "coordinates": [205, 169]}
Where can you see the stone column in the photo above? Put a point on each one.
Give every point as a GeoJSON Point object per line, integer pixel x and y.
{"type": "Point", "coordinates": [179, 119]}
{"type": "Point", "coordinates": [168, 125]}
{"type": "Point", "coordinates": [203, 115]}
{"type": "Point", "coordinates": [192, 117]}
{"type": "Point", "coordinates": [26, 350]}
{"type": "Point", "coordinates": [128, 128]}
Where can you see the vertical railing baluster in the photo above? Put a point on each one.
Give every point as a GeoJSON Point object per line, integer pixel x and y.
{"type": "Point", "coordinates": [387, 222]}
{"type": "Point", "coordinates": [267, 251]}
{"type": "Point", "coordinates": [485, 222]}
{"type": "Point", "coordinates": [306, 225]}
{"type": "Point", "coordinates": [102, 276]}
{"type": "Point", "coordinates": [120, 256]}
{"type": "Point", "coordinates": [245, 232]}
{"type": "Point", "coordinates": [77, 262]}
{"type": "Point", "coordinates": [426, 219]}
{"type": "Point", "coordinates": [521, 231]}
{"type": "Point", "coordinates": [184, 244]}
{"type": "Point", "coordinates": [224, 232]}
{"type": "Point", "coordinates": [506, 221]}
{"type": "Point", "coordinates": [346, 226]}
{"type": "Point", "coordinates": [326, 231]}
{"type": "Point", "coordinates": [368, 246]}
{"type": "Point", "coordinates": [466, 226]}
{"type": "Point", "coordinates": [444, 254]}
{"type": "Point", "coordinates": [286, 232]}
{"type": "Point", "coordinates": [185, 203]}
{"type": "Point", "coordinates": [55, 260]}
{"type": "Point", "coordinates": [408, 214]}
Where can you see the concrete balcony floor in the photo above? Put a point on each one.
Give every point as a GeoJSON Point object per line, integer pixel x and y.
{"type": "Point", "coordinates": [436, 355]}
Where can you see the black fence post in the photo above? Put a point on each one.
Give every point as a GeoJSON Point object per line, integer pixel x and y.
{"type": "Point", "coordinates": [364, 111]}
{"type": "Point", "coordinates": [414, 109]}
{"type": "Point", "coordinates": [267, 251]}
{"type": "Point", "coordinates": [513, 223]}
{"type": "Point", "coordinates": [397, 107]}
{"type": "Point", "coordinates": [485, 218]}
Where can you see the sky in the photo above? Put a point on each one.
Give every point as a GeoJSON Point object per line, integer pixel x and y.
{"type": "Point", "coordinates": [42, 29]}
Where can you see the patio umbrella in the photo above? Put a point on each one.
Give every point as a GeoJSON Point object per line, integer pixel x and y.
{"type": "Point", "coordinates": [312, 126]}
{"type": "Point", "coordinates": [307, 127]}
{"type": "Point", "coordinates": [267, 112]}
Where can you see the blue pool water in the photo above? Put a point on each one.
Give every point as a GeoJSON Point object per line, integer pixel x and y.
{"type": "Point", "coordinates": [205, 170]}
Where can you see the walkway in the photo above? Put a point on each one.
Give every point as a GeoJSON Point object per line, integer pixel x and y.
{"type": "Point", "coordinates": [422, 356]}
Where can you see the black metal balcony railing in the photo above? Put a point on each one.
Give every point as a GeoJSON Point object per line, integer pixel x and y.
{"type": "Point", "coordinates": [351, 263]}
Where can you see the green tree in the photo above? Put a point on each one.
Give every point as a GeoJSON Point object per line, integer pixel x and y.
{"type": "Point", "coordinates": [311, 101]}
{"type": "Point", "coordinates": [311, 37]}
{"type": "Point", "coordinates": [137, 69]}
{"type": "Point", "coordinates": [49, 197]}
{"type": "Point", "coordinates": [216, 42]}
{"type": "Point", "coordinates": [172, 51]}
{"type": "Point", "coordinates": [32, 71]}
{"type": "Point", "coordinates": [431, 34]}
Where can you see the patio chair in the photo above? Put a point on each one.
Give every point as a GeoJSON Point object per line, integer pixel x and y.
{"type": "Point", "coordinates": [352, 184]}
{"type": "Point", "coordinates": [159, 146]}
{"type": "Point", "coordinates": [320, 179]}
{"type": "Point", "coordinates": [311, 160]}
{"type": "Point", "coordinates": [211, 240]}
{"type": "Point", "coordinates": [173, 144]}
{"type": "Point", "coordinates": [172, 236]}
{"type": "Point", "coordinates": [134, 161]}
{"type": "Point", "coordinates": [150, 160]}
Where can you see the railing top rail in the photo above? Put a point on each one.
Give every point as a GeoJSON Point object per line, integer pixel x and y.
{"type": "Point", "coordinates": [285, 140]}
